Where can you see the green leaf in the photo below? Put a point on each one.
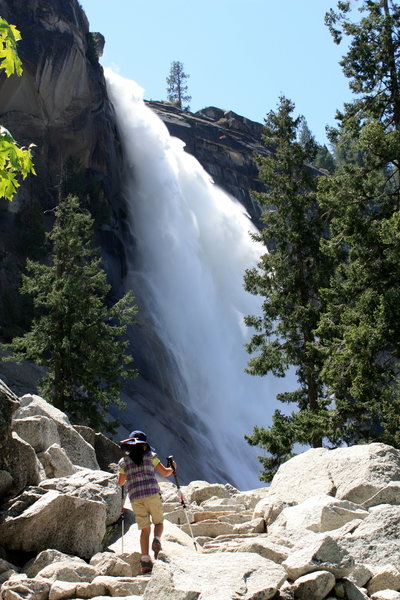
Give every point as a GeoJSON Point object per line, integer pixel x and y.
{"type": "Point", "coordinates": [9, 36]}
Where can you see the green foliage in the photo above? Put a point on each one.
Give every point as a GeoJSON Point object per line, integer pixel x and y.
{"type": "Point", "coordinates": [372, 61]}
{"type": "Point", "coordinates": [360, 328]}
{"type": "Point", "coordinates": [289, 277]}
{"type": "Point", "coordinates": [10, 61]}
{"type": "Point", "coordinates": [324, 160]}
{"type": "Point", "coordinates": [14, 161]}
{"type": "Point", "coordinates": [177, 86]}
{"type": "Point", "coordinates": [74, 334]}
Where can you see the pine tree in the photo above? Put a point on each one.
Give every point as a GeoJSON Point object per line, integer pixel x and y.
{"type": "Point", "coordinates": [288, 278]}
{"type": "Point", "coordinates": [74, 334]}
{"type": "Point", "coordinates": [177, 87]}
{"type": "Point", "coordinates": [360, 329]}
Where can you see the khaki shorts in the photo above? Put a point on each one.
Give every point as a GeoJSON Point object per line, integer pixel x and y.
{"type": "Point", "coordinates": [146, 507]}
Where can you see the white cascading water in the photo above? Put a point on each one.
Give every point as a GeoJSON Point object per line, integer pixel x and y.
{"type": "Point", "coordinates": [194, 245]}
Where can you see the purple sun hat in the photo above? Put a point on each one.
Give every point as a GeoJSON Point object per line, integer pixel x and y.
{"type": "Point", "coordinates": [136, 437]}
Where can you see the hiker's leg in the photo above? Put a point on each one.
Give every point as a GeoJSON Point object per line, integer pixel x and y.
{"type": "Point", "coordinates": [155, 508]}
{"type": "Point", "coordinates": [143, 522]}
{"type": "Point", "coordinates": [144, 540]}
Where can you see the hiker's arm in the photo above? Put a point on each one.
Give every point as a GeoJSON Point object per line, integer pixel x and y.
{"type": "Point", "coordinates": [121, 478]}
{"type": "Point", "coordinates": [165, 471]}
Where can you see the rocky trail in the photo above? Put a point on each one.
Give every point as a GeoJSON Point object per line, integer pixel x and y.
{"type": "Point", "coordinates": [327, 527]}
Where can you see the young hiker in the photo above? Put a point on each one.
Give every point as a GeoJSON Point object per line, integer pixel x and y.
{"type": "Point", "coordinates": [138, 470]}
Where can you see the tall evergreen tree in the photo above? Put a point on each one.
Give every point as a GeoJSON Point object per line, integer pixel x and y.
{"type": "Point", "coordinates": [360, 330]}
{"type": "Point", "coordinates": [288, 278]}
{"type": "Point", "coordinates": [177, 87]}
{"type": "Point", "coordinates": [74, 334]}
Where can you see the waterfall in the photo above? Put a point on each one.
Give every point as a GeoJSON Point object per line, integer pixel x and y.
{"type": "Point", "coordinates": [192, 246]}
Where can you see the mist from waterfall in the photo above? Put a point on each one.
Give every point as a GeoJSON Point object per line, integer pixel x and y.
{"type": "Point", "coordinates": [192, 246]}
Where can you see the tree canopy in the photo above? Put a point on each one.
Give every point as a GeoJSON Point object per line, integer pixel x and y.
{"type": "Point", "coordinates": [352, 216]}
{"type": "Point", "coordinates": [359, 332]}
{"type": "Point", "coordinates": [288, 277]}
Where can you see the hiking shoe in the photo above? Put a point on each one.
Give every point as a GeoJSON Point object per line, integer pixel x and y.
{"type": "Point", "coordinates": [146, 566]}
{"type": "Point", "coordinates": [156, 547]}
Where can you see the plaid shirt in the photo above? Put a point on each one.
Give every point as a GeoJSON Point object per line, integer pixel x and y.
{"type": "Point", "coordinates": [140, 480]}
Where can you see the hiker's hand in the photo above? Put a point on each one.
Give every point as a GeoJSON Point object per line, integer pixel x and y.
{"type": "Point", "coordinates": [173, 465]}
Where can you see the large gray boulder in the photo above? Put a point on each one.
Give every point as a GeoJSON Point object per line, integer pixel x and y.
{"type": "Point", "coordinates": [66, 523]}
{"type": "Point", "coordinates": [32, 405]}
{"type": "Point", "coordinates": [108, 452]}
{"type": "Point", "coordinates": [354, 473]}
{"type": "Point", "coordinates": [37, 430]}
{"type": "Point", "coordinates": [46, 558]}
{"type": "Point", "coordinates": [324, 554]}
{"type": "Point", "coordinates": [91, 485]}
{"type": "Point", "coordinates": [376, 540]}
{"type": "Point", "coordinates": [34, 589]}
{"type": "Point", "coordinates": [216, 576]}
{"type": "Point", "coordinates": [26, 464]}
{"type": "Point", "coordinates": [56, 462]}
{"type": "Point", "coordinates": [318, 514]}
{"type": "Point", "coordinates": [77, 449]}
{"type": "Point", "coordinates": [199, 491]}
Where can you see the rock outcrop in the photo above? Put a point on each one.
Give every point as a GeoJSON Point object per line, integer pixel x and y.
{"type": "Point", "coordinates": [334, 535]}
{"type": "Point", "coordinates": [224, 143]}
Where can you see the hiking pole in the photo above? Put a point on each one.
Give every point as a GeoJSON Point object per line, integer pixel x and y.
{"type": "Point", "coordinates": [122, 519]}
{"type": "Point", "coordinates": [170, 463]}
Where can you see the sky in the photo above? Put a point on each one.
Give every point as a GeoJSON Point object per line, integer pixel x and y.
{"type": "Point", "coordinates": [240, 55]}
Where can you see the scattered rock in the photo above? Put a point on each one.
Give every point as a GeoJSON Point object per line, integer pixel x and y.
{"type": "Point", "coordinates": [38, 431]}
{"type": "Point", "coordinates": [314, 585]}
{"type": "Point", "coordinates": [56, 462]}
{"type": "Point", "coordinates": [30, 589]}
{"type": "Point", "coordinates": [91, 485]}
{"type": "Point", "coordinates": [325, 554]}
{"type": "Point", "coordinates": [69, 524]}
{"type": "Point", "coordinates": [46, 558]}
{"type": "Point", "coordinates": [333, 535]}
{"type": "Point", "coordinates": [216, 576]}
{"type": "Point", "coordinates": [199, 491]}
{"type": "Point", "coordinates": [387, 577]}
{"type": "Point", "coordinates": [68, 570]}
{"type": "Point", "coordinates": [108, 563]}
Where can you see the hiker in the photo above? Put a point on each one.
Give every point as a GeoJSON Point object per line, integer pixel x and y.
{"type": "Point", "coordinates": [138, 470]}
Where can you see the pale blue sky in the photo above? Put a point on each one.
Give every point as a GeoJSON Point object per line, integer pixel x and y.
{"type": "Point", "coordinates": [241, 55]}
